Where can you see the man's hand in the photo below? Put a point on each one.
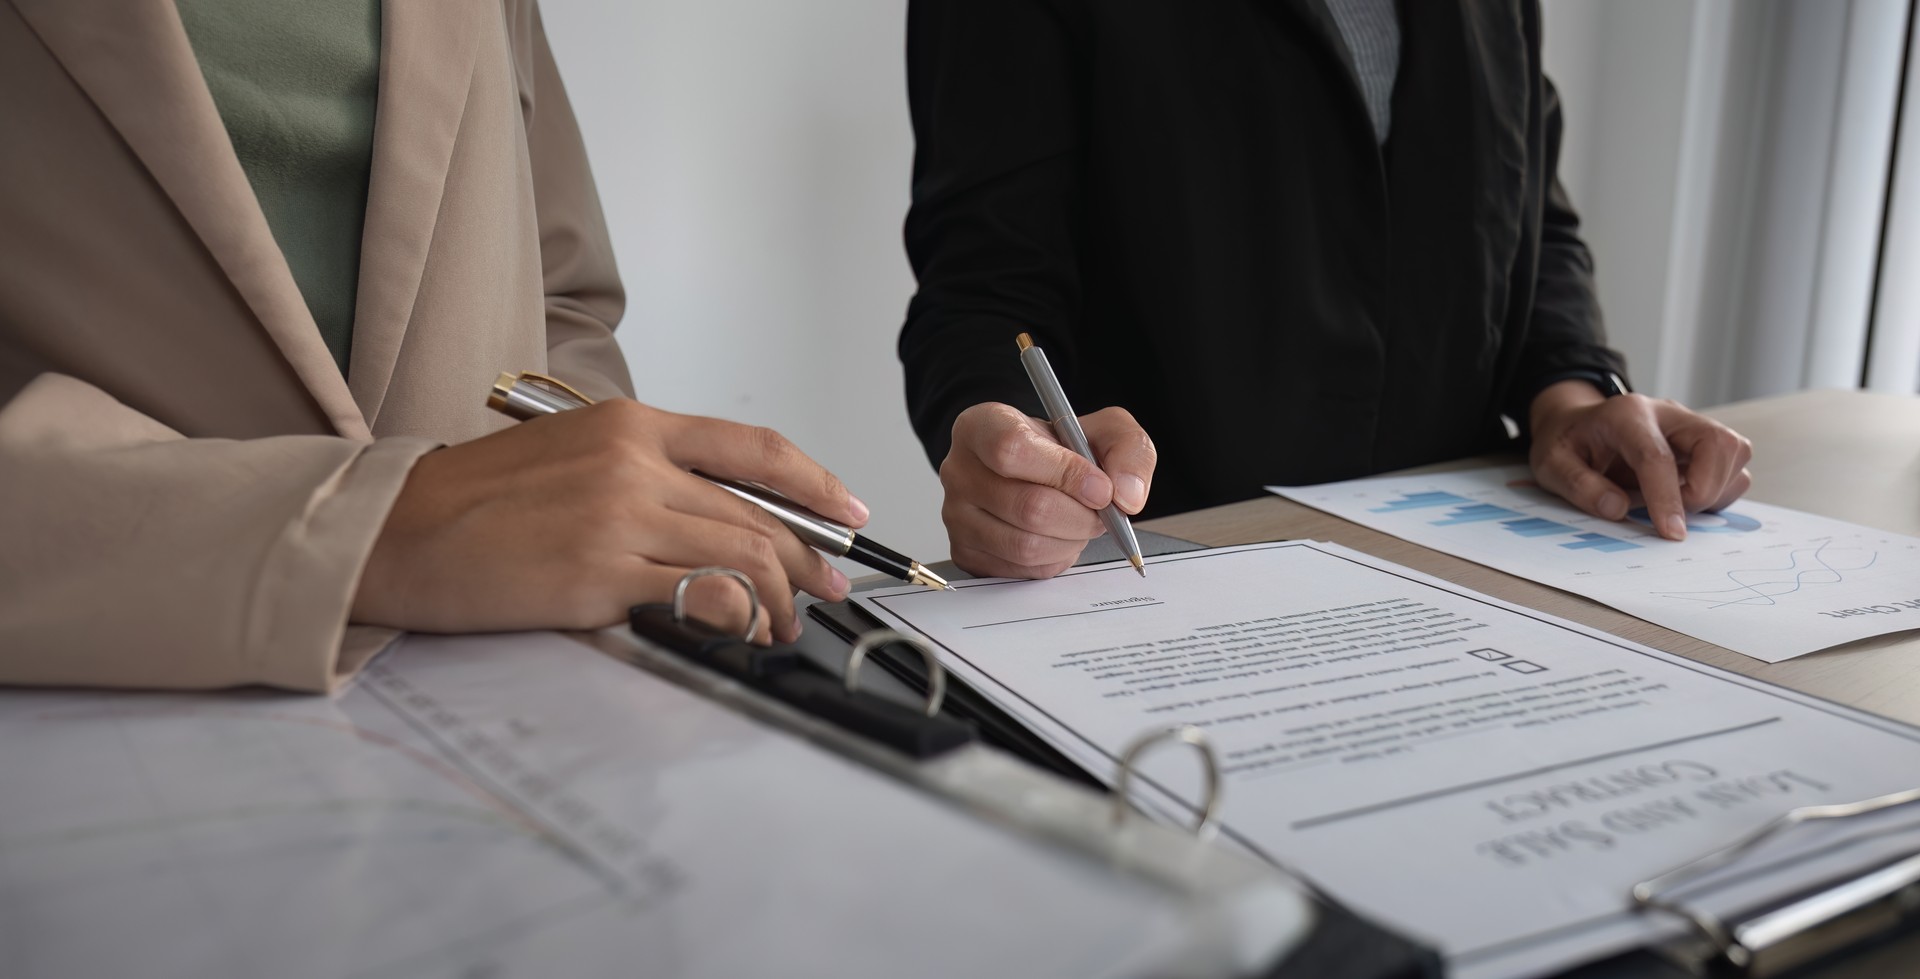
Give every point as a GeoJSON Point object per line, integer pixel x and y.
{"type": "Point", "coordinates": [1021, 505]}
{"type": "Point", "coordinates": [565, 521]}
{"type": "Point", "coordinates": [1592, 450]}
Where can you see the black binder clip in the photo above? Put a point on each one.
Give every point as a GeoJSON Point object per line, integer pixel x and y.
{"type": "Point", "coordinates": [1783, 935]}
{"type": "Point", "coordinates": [787, 675]}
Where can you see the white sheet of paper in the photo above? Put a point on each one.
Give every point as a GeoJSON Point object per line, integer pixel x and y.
{"type": "Point", "coordinates": [1765, 581]}
{"type": "Point", "coordinates": [1485, 776]}
{"type": "Point", "coordinates": [510, 806]}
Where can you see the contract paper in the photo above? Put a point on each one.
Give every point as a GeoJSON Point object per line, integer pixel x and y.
{"type": "Point", "coordinates": [509, 806]}
{"type": "Point", "coordinates": [1486, 777]}
{"type": "Point", "coordinates": [1765, 581]}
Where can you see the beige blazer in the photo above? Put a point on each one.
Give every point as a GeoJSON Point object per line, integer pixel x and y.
{"type": "Point", "coordinates": [188, 487]}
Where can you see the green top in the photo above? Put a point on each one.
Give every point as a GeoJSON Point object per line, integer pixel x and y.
{"type": "Point", "coordinates": [296, 84]}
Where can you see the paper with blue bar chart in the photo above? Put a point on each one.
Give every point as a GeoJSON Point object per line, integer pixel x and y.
{"type": "Point", "coordinates": [1765, 581]}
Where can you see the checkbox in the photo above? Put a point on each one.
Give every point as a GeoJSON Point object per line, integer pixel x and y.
{"type": "Point", "coordinates": [1522, 666]}
{"type": "Point", "coordinates": [1490, 655]}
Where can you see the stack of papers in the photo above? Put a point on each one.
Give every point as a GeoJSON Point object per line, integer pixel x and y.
{"type": "Point", "coordinates": [1486, 777]}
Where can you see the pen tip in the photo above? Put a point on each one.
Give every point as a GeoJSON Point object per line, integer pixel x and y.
{"type": "Point", "coordinates": [1138, 564]}
{"type": "Point", "coordinates": [920, 575]}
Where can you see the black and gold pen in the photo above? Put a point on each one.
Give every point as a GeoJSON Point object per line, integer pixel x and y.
{"type": "Point", "coordinates": [529, 395]}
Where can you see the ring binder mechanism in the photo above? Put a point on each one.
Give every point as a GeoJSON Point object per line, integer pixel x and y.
{"type": "Point", "coordinates": [788, 676]}
{"type": "Point", "coordinates": [881, 638]}
{"type": "Point", "coordinates": [753, 596]}
{"type": "Point", "coordinates": [1784, 935]}
{"type": "Point", "coordinates": [848, 622]}
{"type": "Point", "coordinates": [1185, 734]}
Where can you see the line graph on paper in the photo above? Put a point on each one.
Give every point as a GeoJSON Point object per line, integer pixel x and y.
{"type": "Point", "coordinates": [332, 851]}
{"type": "Point", "coordinates": [1824, 563]}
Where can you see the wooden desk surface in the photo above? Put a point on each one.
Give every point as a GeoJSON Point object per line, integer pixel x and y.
{"type": "Point", "coordinates": [1844, 454]}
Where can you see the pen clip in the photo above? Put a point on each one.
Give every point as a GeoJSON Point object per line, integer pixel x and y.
{"type": "Point", "coordinates": [529, 395]}
{"type": "Point", "coordinates": [555, 382]}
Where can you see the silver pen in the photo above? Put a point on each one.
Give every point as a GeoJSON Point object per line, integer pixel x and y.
{"type": "Point", "coordinates": [529, 395]}
{"type": "Point", "coordinates": [1066, 427]}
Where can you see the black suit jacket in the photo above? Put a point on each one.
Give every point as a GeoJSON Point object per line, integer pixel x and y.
{"type": "Point", "coordinates": [1184, 202]}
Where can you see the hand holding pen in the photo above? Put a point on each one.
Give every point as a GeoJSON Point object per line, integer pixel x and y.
{"type": "Point", "coordinates": [566, 522]}
{"type": "Point", "coordinates": [529, 395]}
{"type": "Point", "coordinates": [1022, 503]}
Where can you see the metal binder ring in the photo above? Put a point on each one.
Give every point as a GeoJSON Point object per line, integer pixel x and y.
{"type": "Point", "coordinates": [1187, 734]}
{"type": "Point", "coordinates": [753, 595]}
{"type": "Point", "coordinates": [880, 638]}
{"type": "Point", "coordinates": [1650, 894]}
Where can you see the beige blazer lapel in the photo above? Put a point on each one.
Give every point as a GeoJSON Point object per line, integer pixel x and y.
{"type": "Point", "coordinates": [132, 58]}
{"type": "Point", "coordinates": [426, 66]}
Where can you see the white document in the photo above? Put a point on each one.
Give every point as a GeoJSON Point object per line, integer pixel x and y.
{"type": "Point", "coordinates": [510, 806]}
{"type": "Point", "coordinates": [1766, 581]}
{"type": "Point", "coordinates": [1486, 777]}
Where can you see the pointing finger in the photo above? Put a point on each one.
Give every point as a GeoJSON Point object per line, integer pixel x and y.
{"type": "Point", "coordinates": [1644, 448]}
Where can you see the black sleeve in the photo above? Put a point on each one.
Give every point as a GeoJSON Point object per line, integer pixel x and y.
{"type": "Point", "coordinates": [992, 230]}
{"type": "Point", "coordinates": [1565, 334]}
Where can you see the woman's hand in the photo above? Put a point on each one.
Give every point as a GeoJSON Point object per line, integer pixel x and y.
{"type": "Point", "coordinates": [565, 521]}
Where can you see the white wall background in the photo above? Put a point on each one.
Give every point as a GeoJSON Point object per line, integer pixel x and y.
{"type": "Point", "coordinates": [1731, 159]}
{"type": "Point", "coordinates": [1618, 65]}
{"type": "Point", "coordinates": [753, 156]}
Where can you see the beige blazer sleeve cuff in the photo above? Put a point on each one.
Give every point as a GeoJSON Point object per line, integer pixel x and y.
{"type": "Point", "coordinates": [138, 557]}
{"type": "Point", "coordinates": [298, 613]}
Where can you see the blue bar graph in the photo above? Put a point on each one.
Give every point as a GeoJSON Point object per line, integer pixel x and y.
{"type": "Point", "coordinates": [1600, 542]}
{"type": "Point", "coordinates": [1724, 522]}
{"type": "Point", "coordinates": [1514, 514]}
{"type": "Point", "coordinates": [1417, 501]}
{"type": "Point", "coordinates": [1475, 514]}
{"type": "Point", "coordinates": [1536, 527]}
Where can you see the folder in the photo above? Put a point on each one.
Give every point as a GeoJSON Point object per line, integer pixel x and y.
{"type": "Point", "coordinates": [1762, 940]}
{"type": "Point", "coordinates": [942, 751]}
{"type": "Point", "coordinates": [523, 805]}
